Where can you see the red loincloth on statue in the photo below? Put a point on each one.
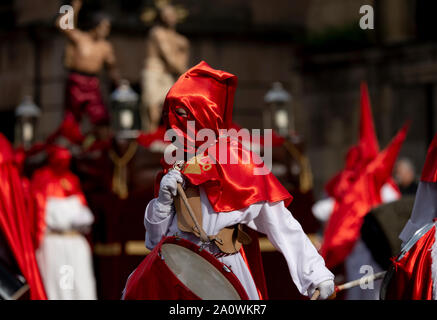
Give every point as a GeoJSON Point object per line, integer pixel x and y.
{"type": "Point", "coordinates": [83, 96]}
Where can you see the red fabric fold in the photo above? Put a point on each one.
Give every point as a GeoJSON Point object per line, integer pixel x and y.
{"type": "Point", "coordinates": [412, 279]}
{"type": "Point", "coordinates": [429, 171]}
{"type": "Point", "coordinates": [252, 257]}
{"type": "Point", "coordinates": [14, 220]}
{"type": "Point", "coordinates": [83, 96]}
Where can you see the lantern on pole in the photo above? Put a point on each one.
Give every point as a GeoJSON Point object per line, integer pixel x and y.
{"type": "Point", "coordinates": [278, 114]}
{"type": "Point", "coordinates": [125, 106]}
{"type": "Point", "coordinates": [27, 114]}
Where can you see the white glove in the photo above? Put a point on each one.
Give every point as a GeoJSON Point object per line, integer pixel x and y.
{"type": "Point", "coordinates": [167, 190]}
{"type": "Point", "coordinates": [326, 289]}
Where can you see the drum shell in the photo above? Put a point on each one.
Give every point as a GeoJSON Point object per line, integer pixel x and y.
{"type": "Point", "coordinates": [382, 226]}
{"type": "Point", "coordinates": [153, 279]}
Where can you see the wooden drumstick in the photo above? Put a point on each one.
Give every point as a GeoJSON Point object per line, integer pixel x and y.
{"type": "Point", "coordinates": [357, 282]}
{"type": "Point", "coordinates": [203, 236]}
{"type": "Point", "coordinates": [351, 284]}
{"type": "Point", "coordinates": [315, 295]}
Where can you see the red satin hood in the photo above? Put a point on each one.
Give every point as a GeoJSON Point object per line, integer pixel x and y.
{"type": "Point", "coordinates": [207, 95]}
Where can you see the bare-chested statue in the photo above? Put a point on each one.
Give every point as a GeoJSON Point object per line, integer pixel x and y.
{"type": "Point", "coordinates": [167, 54]}
{"type": "Point", "coordinates": [87, 53]}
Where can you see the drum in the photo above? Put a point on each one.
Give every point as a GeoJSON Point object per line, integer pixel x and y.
{"type": "Point", "coordinates": [178, 269]}
{"type": "Point", "coordinates": [382, 226]}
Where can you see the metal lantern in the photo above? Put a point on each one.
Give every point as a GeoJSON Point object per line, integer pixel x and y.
{"type": "Point", "coordinates": [277, 115]}
{"type": "Point", "coordinates": [125, 107]}
{"type": "Point", "coordinates": [27, 114]}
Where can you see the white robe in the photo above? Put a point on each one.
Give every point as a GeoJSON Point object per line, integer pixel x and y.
{"type": "Point", "coordinates": [307, 267]}
{"type": "Point", "coordinates": [65, 260]}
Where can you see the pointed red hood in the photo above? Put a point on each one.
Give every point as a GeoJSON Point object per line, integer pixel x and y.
{"type": "Point", "coordinates": [368, 142]}
{"type": "Point", "coordinates": [358, 156]}
{"type": "Point", "coordinates": [344, 225]}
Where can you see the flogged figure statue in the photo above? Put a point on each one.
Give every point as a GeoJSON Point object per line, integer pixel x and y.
{"type": "Point", "coordinates": [202, 225]}
{"type": "Point", "coordinates": [87, 53]}
{"type": "Point", "coordinates": [167, 54]}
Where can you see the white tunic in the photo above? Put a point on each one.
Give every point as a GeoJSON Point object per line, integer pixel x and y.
{"type": "Point", "coordinates": [65, 260]}
{"type": "Point", "coordinates": [307, 267]}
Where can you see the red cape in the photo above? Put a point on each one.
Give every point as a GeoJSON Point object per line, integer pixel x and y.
{"type": "Point", "coordinates": [14, 220]}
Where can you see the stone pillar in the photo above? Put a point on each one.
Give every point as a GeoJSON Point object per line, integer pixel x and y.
{"type": "Point", "coordinates": [396, 20]}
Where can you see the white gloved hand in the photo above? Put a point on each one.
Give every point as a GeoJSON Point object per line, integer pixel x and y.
{"type": "Point", "coordinates": [167, 190]}
{"type": "Point", "coordinates": [326, 289]}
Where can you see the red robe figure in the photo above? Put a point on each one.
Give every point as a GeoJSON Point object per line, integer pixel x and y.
{"type": "Point", "coordinates": [62, 216]}
{"type": "Point", "coordinates": [235, 188]}
{"type": "Point", "coordinates": [414, 270]}
{"type": "Point", "coordinates": [364, 184]}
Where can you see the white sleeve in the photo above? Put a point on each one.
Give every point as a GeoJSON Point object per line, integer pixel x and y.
{"type": "Point", "coordinates": [156, 225]}
{"type": "Point", "coordinates": [307, 267]}
{"type": "Point", "coordinates": [64, 214]}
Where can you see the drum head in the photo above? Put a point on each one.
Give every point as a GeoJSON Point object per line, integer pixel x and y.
{"type": "Point", "coordinates": [197, 274]}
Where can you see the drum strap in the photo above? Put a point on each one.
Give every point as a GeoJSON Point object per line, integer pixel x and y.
{"type": "Point", "coordinates": [229, 240]}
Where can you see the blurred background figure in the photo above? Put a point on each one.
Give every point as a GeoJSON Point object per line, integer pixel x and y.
{"type": "Point", "coordinates": [62, 220]}
{"type": "Point", "coordinates": [365, 183]}
{"type": "Point", "coordinates": [167, 54]}
{"type": "Point", "coordinates": [405, 176]}
{"type": "Point", "coordinates": [87, 53]}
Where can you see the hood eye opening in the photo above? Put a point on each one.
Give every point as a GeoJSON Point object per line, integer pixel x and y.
{"type": "Point", "coordinates": [181, 112]}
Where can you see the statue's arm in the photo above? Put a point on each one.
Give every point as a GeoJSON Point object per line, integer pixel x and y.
{"type": "Point", "coordinates": [72, 34]}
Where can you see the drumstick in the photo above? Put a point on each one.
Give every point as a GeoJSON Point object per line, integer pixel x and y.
{"type": "Point", "coordinates": [357, 282]}
{"type": "Point", "coordinates": [203, 235]}
{"type": "Point", "coordinates": [352, 284]}
{"type": "Point", "coordinates": [315, 295]}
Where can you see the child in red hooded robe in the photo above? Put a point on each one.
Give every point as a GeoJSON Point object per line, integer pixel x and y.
{"type": "Point", "coordinates": [231, 192]}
